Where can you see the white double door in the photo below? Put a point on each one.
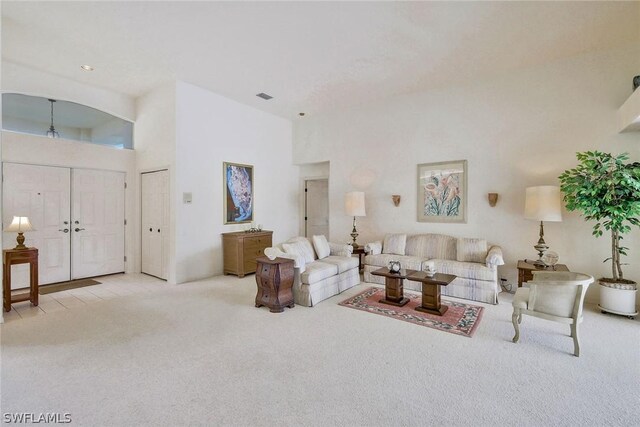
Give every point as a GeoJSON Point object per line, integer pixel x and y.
{"type": "Point", "coordinates": [154, 190]}
{"type": "Point", "coordinates": [78, 216]}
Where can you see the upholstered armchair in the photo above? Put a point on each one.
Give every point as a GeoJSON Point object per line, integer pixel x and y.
{"type": "Point", "coordinates": [553, 295]}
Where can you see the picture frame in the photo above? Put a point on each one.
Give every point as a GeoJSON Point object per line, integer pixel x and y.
{"type": "Point", "coordinates": [238, 193]}
{"type": "Point", "coordinates": [442, 192]}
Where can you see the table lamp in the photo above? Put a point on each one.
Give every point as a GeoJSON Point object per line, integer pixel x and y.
{"type": "Point", "coordinates": [354, 205]}
{"type": "Point", "coordinates": [543, 203]}
{"type": "Point", "coordinates": [20, 224]}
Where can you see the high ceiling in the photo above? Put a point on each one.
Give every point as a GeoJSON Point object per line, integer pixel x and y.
{"type": "Point", "coordinates": [310, 56]}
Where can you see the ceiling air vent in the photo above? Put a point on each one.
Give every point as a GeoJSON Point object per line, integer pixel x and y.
{"type": "Point", "coordinates": [264, 96]}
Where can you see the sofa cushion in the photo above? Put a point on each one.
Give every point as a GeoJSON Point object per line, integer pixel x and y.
{"type": "Point", "coordinates": [467, 270]}
{"type": "Point", "coordinates": [342, 262]}
{"type": "Point", "coordinates": [318, 270]}
{"type": "Point", "coordinates": [394, 244]}
{"type": "Point", "coordinates": [321, 246]}
{"type": "Point", "coordinates": [382, 260]}
{"type": "Point", "coordinates": [471, 250]}
{"type": "Point", "coordinates": [303, 247]}
{"type": "Point", "coordinates": [431, 246]}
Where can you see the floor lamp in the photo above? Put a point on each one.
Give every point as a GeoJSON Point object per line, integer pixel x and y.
{"type": "Point", "coordinates": [354, 205]}
{"type": "Point", "coordinates": [543, 203]}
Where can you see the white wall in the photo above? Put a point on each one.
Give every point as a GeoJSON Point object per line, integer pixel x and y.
{"type": "Point", "coordinates": [40, 150]}
{"type": "Point", "coordinates": [155, 147]}
{"type": "Point", "coordinates": [516, 130]}
{"type": "Point", "coordinates": [212, 129]}
{"type": "Point", "coordinates": [20, 79]}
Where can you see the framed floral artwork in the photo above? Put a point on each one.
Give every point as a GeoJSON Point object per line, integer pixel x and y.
{"type": "Point", "coordinates": [238, 193]}
{"type": "Point", "coordinates": [442, 192]}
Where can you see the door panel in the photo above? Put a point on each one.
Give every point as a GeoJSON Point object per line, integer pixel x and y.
{"type": "Point", "coordinates": [317, 207]}
{"type": "Point", "coordinates": [155, 223]}
{"type": "Point", "coordinates": [97, 234]}
{"type": "Point", "coordinates": [41, 193]}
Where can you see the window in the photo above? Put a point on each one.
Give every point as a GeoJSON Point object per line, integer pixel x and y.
{"type": "Point", "coordinates": [32, 115]}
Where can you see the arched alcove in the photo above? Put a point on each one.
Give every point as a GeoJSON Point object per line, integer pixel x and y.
{"type": "Point", "coordinates": [33, 115]}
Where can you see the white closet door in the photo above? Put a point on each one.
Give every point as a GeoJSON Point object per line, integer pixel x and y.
{"type": "Point", "coordinates": [317, 207]}
{"type": "Point", "coordinates": [155, 223]}
{"type": "Point", "coordinates": [42, 194]}
{"type": "Point", "coordinates": [97, 229]}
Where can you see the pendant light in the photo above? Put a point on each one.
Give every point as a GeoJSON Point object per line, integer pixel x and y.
{"type": "Point", "coordinates": [52, 132]}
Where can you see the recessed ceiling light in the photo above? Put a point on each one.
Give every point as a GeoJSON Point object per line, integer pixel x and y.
{"type": "Point", "coordinates": [264, 96]}
{"type": "Point", "coordinates": [87, 67]}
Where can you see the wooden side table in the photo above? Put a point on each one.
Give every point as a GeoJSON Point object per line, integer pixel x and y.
{"type": "Point", "coordinates": [274, 279]}
{"type": "Point", "coordinates": [360, 252]}
{"type": "Point", "coordinates": [526, 269]}
{"type": "Point", "coordinates": [20, 256]}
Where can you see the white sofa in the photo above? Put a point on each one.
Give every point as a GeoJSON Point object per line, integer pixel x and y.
{"type": "Point", "coordinates": [472, 260]}
{"type": "Point", "coordinates": [318, 279]}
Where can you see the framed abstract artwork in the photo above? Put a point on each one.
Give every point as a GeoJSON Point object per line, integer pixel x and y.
{"type": "Point", "coordinates": [238, 193]}
{"type": "Point", "coordinates": [442, 192]}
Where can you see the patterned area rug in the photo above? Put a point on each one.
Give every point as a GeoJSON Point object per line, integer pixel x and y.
{"type": "Point", "coordinates": [460, 319]}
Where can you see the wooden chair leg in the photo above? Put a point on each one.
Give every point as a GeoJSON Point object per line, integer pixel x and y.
{"type": "Point", "coordinates": [516, 318]}
{"type": "Point", "coordinates": [576, 339]}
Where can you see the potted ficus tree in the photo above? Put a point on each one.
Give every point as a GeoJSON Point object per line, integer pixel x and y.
{"type": "Point", "coordinates": [606, 189]}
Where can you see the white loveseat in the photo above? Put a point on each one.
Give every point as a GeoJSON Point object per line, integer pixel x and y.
{"type": "Point", "coordinates": [472, 260]}
{"type": "Point", "coordinates": [318, 278]}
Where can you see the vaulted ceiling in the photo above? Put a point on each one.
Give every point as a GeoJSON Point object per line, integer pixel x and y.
{"type": "Point", "coordinates": [310, 56]}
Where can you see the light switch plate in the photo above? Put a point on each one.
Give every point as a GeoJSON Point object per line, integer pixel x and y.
{"type": "Point", "coordinates": [186, 198]}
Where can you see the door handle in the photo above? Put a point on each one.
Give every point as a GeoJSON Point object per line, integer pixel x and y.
{"type": "Point", "coordinates": [66, 222]}
{"type": "Point", "coordinates": [66, 230]}
{"type": "Point", "coordinates": [158, 230]}
{"type": "Point", "coordinates": [79, 229]}
{"type": "Point", "coordinates": [151, 229]}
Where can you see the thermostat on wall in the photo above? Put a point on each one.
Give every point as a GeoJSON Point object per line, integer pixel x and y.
{"type": "Point", "coordinates": [186, 198]}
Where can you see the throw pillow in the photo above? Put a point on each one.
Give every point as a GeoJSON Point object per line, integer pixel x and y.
{"type": "Point", "coordinates": [321, 246]}
{"type": "Point", "coordinates": [304, 248]}
{"type": "Point", "coordinates": [471, 250]}
{"type": "Point", "coordinates": [394, 244]}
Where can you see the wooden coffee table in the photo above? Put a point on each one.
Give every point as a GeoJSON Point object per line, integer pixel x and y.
{"type": "Point", "coordinates": [393, 286]}
{"type": "Point", "coordinates": [431, 291]}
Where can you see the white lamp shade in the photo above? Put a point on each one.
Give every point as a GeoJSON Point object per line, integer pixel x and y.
{"type": "Point", "coordinates": [543, 203]}
{"type": "Point", "coordinates": [20, 224]}
{"type": "Point", "coordinates": [354, 203]}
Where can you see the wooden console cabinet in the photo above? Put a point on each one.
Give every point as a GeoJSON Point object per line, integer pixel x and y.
{"type": "Point", "coordinates": [240, 250]}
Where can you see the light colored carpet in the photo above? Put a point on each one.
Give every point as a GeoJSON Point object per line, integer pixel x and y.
{"type": "Point", "coordinates": [201, 353]}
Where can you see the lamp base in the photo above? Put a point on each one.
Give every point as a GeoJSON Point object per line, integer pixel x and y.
{"type": "Point", "coordinates": [354, 234]}
{"type": "Point", "coordinates": [20, 240]}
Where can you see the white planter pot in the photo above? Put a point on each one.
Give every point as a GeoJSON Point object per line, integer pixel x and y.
{"type": "Point", "coordinates": [618, 301]}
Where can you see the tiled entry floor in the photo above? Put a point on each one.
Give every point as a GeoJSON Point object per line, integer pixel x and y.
{"type": "Point", "coordinates": [109, 287]}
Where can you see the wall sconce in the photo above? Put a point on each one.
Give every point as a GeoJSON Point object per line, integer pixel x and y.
{"type": "Point", "coordinates": [396, 199]}
{"type": "Point", "coordinates": [493, 199]}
